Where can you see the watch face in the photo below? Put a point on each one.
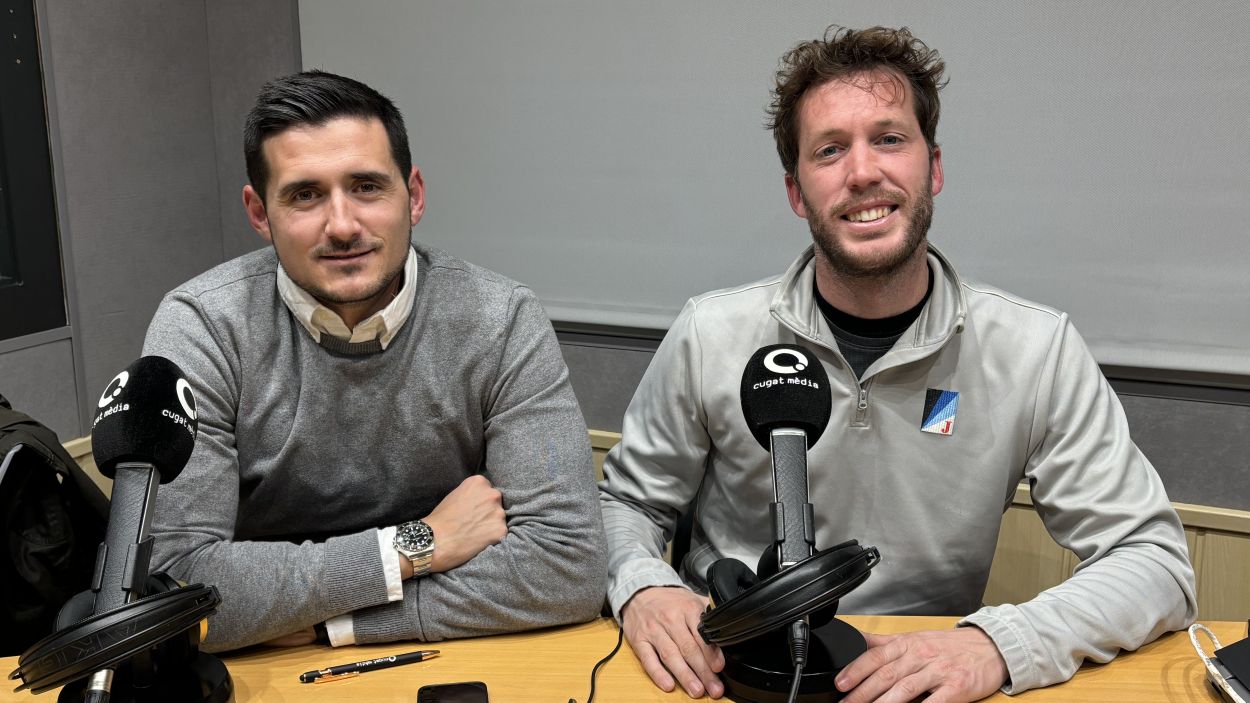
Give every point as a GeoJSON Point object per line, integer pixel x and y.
{"type": "Point", "coordinates": [414, 536]}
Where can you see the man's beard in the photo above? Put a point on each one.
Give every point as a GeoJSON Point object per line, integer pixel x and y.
{"type": "Point", "coordinates": [325, 294]}
{"type": "Point", "coordinates": [919, 215]}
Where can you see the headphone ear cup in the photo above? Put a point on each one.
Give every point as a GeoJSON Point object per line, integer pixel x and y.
{"type": "Point", "coordinates": [161, 582]}
{"type": "Point", "coordinates": [78, 608]}
{"type": "Point", "coordinates": [726, 578]}
{"type": "Point", "coordinates": [768, 564]}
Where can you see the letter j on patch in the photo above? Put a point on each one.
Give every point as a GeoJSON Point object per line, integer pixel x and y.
{"type": "Point", "coordinates": [939, 411]}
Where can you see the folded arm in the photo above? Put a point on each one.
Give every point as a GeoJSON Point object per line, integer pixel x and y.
{"type": "Point", "coordinates": [549, 568]}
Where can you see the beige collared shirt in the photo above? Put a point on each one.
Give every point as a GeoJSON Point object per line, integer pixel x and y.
{"type": "Point", "coordinates": [382, 325]}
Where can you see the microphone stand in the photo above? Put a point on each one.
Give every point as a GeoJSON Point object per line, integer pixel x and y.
{"type": "Point", "coordinates": [176, 670]}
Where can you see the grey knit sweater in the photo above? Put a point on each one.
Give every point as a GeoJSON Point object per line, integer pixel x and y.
{"type": "Point", "coordinates": [302, 453]}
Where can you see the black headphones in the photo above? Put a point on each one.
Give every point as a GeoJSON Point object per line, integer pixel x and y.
{"type": "Point", "coordinates": [85, 643]}
{"type": "Point", "coordinates": [745, 605]}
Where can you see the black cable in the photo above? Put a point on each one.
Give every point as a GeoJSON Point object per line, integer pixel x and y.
{"type": "Point", "coordinates": [620, 639]}
{"type": "Point", "coordinates": [794, 687]}
{"type": "Point", "coordinates": [799, 633]}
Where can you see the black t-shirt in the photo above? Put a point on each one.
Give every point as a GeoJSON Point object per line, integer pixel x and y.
{"type": "Point", "coordinates": [863, 341]}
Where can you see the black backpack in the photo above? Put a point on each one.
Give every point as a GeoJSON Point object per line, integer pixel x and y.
{"type": "Point", "coordinates": [54, 521]}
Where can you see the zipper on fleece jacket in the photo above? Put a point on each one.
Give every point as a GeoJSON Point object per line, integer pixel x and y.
{"type": "Point", "coordinates": [861, 404]}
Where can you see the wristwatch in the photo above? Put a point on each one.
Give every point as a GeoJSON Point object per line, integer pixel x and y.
{"type": "Point", "coordinates": [415, 540]}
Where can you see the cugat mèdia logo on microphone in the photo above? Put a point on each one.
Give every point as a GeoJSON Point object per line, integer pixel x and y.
{"type": "Point", "coordinates": [787, 362]}
{"type": "Point", "coordinates": [111, 392]}
{"type": "Point", "coordinates": [186, 399]}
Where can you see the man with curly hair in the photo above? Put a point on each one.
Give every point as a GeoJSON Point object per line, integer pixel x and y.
{"type": "Point", "coordinates": [899, 332]}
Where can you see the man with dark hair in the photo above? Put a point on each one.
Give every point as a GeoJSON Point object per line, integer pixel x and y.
{"type": "Point", "coordinates": [388, 442]}
{"type": "Point", "coordinates": [855, 119]}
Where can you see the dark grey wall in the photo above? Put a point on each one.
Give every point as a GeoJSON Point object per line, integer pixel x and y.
{"type": "Point", "coordinates": [249, 43]}
{"type": "Point", "coordinates": [1200, 448]}
{"type": "Point", "coordinates": [146, 106]}
{"type": "Point", "coordinates": [604, 378]}
{"type": "Point", "coordinates": [39, 381]}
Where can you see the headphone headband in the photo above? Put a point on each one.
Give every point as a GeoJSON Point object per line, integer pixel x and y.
{"type": "Point", "coordinates": [811, 584]}
{"type": "Point", "coordinates": [103, 640]}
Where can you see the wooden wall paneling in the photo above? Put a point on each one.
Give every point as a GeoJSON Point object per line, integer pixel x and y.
{"type": "Point", "coordinates": [1223, 570]}
{"type": "Point", "coordinates": [1027, 560]}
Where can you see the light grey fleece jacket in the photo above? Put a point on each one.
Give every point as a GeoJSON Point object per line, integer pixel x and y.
{"type": "Point", "coordinates": [300, 443]}
{"type": "Point", "coordinates": [1032, 405]}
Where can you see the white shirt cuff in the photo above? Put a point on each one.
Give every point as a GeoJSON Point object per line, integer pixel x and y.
{"type": "Point", "coordinates": [390, 564]}
{"type": "Point", "coordinates": [339, 629]}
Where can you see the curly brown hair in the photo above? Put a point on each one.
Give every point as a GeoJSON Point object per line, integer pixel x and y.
{"type": "Point", "coordinates": [845, 52]}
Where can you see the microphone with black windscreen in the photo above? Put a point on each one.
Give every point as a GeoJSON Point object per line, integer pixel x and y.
{"type": "Point", "coordinates": [776, 626]}
{"type": "Point", "coordinates": [143, 434]}
{"type": "Point", "coordinates": [786, 403]}
{"type": "Point", "coordinates": [142, 629]}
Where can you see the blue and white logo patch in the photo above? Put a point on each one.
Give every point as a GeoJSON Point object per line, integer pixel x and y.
{"type": "Point", "coordinates": [939, 411]}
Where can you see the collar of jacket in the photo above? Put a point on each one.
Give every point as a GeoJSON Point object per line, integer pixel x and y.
{"type": "Point", "coordinates": [794, 305]}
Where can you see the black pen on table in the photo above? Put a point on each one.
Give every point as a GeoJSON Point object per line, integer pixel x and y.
{"type": "Point", "coordinates": [346, 670]}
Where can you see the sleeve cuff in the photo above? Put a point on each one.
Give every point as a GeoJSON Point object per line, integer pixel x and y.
{"type": "Point", "coordinates": [1022, 672]}
{"type": "Point", "coordinates": [339, 630]}
{"type": "Point", "coordinates": [352, 572]}
{"type": "Point", "coordinates": [643, 573]}
{"type": "Point", "coordinates": [390, 564]}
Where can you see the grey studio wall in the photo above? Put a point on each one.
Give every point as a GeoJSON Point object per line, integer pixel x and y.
{"type": "Point", "coordinates": [147, 101]}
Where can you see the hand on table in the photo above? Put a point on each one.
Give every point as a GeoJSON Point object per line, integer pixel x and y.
{"type": "Point", "coordinates": [662, 625]}
{"type": "Point", "coordinates": [953, 666]}
{"type": "Point", "coordinates": [466, 521]}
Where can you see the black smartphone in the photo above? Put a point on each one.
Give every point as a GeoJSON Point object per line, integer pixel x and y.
{"type": "Point", "coordinates": [464, 692]}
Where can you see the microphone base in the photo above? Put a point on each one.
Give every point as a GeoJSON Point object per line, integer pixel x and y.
{"type": "Point", "coordinates": [760, 671]}
{"type": "Point", "coordinates": [205, 679]}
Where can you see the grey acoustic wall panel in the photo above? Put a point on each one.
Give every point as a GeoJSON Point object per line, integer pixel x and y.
{"type": "Point", "coordinates": [138, 164]}
{"type": "Point", "coordinates": [249, 43]}
{"type": "Point", "coordinates": [39, 381]}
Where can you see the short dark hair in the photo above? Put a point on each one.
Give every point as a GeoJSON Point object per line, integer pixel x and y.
{"type": "Point", "coordinates": [315, 98]}
{"type": "Point", "coordinates": [846, 52]}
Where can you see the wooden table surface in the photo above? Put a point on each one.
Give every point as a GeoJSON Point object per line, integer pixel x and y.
{"type": "Point", "coordinates": [552, 666]}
